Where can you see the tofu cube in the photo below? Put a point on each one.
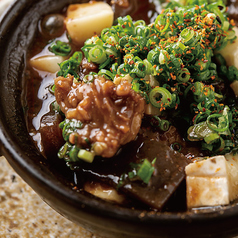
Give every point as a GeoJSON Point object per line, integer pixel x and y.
{"type": "Point", "coordinates": [207, 191]}
{"type": "Point", "coordinates": [230, 52]}
{"type": "Point", "coordinates": [213, 181]}
{"type": "Point", "coordinates": [88, 19]}
{"type": "Point", "coordinates": [232, 165]}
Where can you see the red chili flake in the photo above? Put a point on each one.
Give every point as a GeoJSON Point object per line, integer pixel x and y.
{"type": "Point", "coordinates": [232, 22]}
{"type": "Point", "coordinates": [194, 118]}
{"type": "Point", "coordinates": [172, 76]}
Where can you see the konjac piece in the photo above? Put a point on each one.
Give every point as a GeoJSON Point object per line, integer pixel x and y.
{"type": "Point", "coordinates": [168, 175]}
{"type": "Point", "coordinates": [111, 115]}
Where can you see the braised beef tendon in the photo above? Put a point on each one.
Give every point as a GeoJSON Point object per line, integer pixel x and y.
{"type": "Point", "coordinates": [110, 115]}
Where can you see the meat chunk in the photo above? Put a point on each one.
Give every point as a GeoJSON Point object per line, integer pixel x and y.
{"type": "Point", "coordinates": [111, 115]}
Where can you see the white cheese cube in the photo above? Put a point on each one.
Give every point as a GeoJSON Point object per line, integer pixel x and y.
{"type": "Point", "coordinates": [88, 19]}
{"type": "Point", "coordinates": [48, 63]}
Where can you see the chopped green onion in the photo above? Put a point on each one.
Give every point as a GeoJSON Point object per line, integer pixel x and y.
{"type": "Point", "coordinates": [146, 170]}
{"type": "Point", "coordinates": [64, 150]}
{"type": "Point", "coordinates": [73, 154]}
{"type": "Point", "coordinates": [69, 126]}
{"type": "Point", "coordinates": [106, 73]}
{"type": "Point", "coordinates": [160, 97]}
{"type": "Point", "coordinates": [183, 75]}
{"type": "Point", "coordinates": [160, 123]}
{"type": "Point", "coordinates": [86, 156]}
{"type": "Point", "coordinates": [198, 131]}
{"type": "Point", "coordinates": [187, 36]}
{"type": "Point", "coordinates": [97, 54]}
{"type": "Point", "coordinates": [219, 126]}
{"type": "Point", "coordinates": [211, 138]}
{"type": "Point", "coordinates": [71, 65]}
{"type": "Point", "coordinates": [176, 146]}
{"type": "Point", "coordinates": [60, 48]}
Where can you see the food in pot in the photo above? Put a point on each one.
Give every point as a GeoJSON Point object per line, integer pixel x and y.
{"type": "Point", "coordinates": [138, 101]}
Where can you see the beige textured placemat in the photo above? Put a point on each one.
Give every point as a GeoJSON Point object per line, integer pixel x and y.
{"type": "Point", "coordinates": [24, 215]}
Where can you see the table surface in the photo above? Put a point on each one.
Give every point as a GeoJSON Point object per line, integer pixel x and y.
{"type": "Point", "coordinates": [23, 213]}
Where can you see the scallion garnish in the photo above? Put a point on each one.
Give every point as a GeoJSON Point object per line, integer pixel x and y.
{"type": "Point", "coordinates": [178, 51]}
{"type": "Point", "coordinates": [71, 65]}
{"type": "Point", "coordinates": [60, 48]}
{"type": "Point", "coordinates": [139, 171]}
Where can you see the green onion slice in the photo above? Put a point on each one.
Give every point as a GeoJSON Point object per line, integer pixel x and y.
{"type": "Point", "coordinates": [97, 54]}
{"type": "Point", "coordinates": [160, 97]}
{"type": "Point", "coordinates": [86, 156]}
{"type": "Point", "coordinates": [146, 170]}
{"type": "Point", "coordinates": [220, 120]}
{"type": "Point", "coordinates": [60, 48]}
